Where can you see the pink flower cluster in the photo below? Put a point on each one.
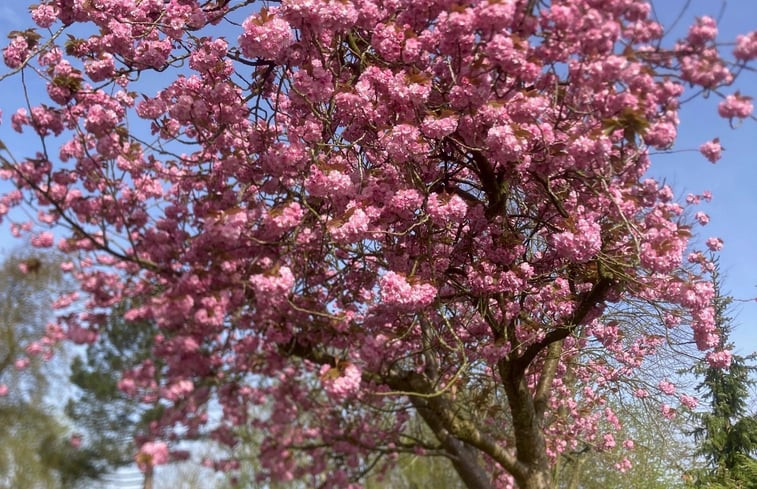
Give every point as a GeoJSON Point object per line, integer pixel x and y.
{"type": "Point", "coordinates": [151, 454]}
{"type": "Point", "coordinates": [579, 245]}
{"type": "Point", "coordinates": [341, 382]}
{"type": "Point", "coordinates": [746, 47]}
{"type": "Point", "coordinates": [736, 106]}
{"type": "Point", "coordinates": [719, 359]}
{"type": "Point", "coordinates": [275, 285]}
{"type": "Point", "coordinates": [711, 150]}
{"type": "Point", "coordinates": [266, 35]}
{"type": "Point", "coordinates": [397, 291]}
{"type": "Point", "coordinates": [666, 387]}
{"type": "Point", "coordinates": [688, 401]}
{"type": "Point", "coordinates": [16, 52]}
{"type": "Point", "coordinates": [445, 209]}
{"type": "Point", "coordinates": [45, 15]}
{"type": "Point", "coordinates": [353, 228]}
{"type": "Point", "coordinates": [703, 31]}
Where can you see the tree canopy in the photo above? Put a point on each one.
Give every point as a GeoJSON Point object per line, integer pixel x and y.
{"type": "Point", "coordinates": [338, 213]}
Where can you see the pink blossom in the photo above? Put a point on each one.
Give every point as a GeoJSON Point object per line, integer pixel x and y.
{"type": "Point", "coordinates": [127, 385]}
{"type": "Point", "coordinates": [3, 390]}
{"type": "Point", "coordinates": [406, 201]}
{"type": "Point", "coordinates": [504, 144]}
{"type": "Point", "coordinates": [21, 363]}
{"type": "Point", "coordinates": [608, 441]}
{"type": "Point", "coordinates": [705, 69]}
{"type": "Point", "coordinates": [151, 108]}
{"type": "Point", "coordinates": [354, 228]}
{"type": "Point", "coordinates": [274, 286]}
{"type": "Point", "coordinates": [693, 199]}
{"type": "Point", "coordinates": [719, 359]}
{"type": "Point", "coordinates": [152, 54]}
{"type": "Point", "coordinates": [702, 218]}
{"type": "Point", "coordinates": [667, 411]}
{"type": "Point", "coordinates": [266, 35]}
{"type": "Point", "coordinates": [746, 47]}
{"type": "Point", "coordinates": [688, 401]}
{"type": "Point", "coordinates": [328, 183]}
{"type": "Point", "coordinates": [439, 127]}
{"type": "Point", "coordinates": [45, 15]}
{"type": "Point", "coordinates": [666, 387]}
{"type": "Point", "coordinates": [16, 52]}
{"type": "Point", "coordinates": [210, 56]}
{"type": "Point", "coordinates": [446, 208]}
{"type": "Point", "coordinates": [661, 135]}
{"type": "Point", "coordinates": [641, 393]}
{"type": "Point", "coordinates": [404, 143]}
{"type": "Point", "coordinates": [75, 441]}
{"type": "Point", "coordinates": [289, 217]}
{"type": "Point", "coordinates": [179, 389]}
{"type": "Point", "coordinates": [711, 150]}
{"type": "Point", "coordinates": [624, 465]}
{"type": "Point", "coordinates": [714, 244]}
{"type": "Point", "coordinates": [151, 454]}
{"type": "Point", "coordinates": [81, 336]}
{"type": "Point", "coordinates": [581, 245]}
{"type": "Point", "coordinates": [100, 120]}
{"type": "Point", "coordinates": [396, 290]}
{"type": "Point", "coordinates": [43, 240]}
{"type": "Point", "coordinates": [341, 382]}
{"type": "Point", "coordinates": [703, 31]}
{"type": "Point", "coordinates": [102, 68]}
{"type": "Point", "coordinates": [736, 106]}
{"type": "Point", "coordinates": [65, 300]}
{"type": "Point", "coordinates": [34, 348]}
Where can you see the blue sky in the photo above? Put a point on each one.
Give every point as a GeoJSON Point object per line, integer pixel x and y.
{"type": "Point", "coordinates": [732, 181]}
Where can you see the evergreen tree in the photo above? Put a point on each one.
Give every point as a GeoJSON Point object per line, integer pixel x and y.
{"type": "Point", "coordinates": [727, 432]}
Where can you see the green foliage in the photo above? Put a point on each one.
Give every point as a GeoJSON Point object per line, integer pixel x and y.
{"type": "Point", "coordinates": [727, 432]}
{"type": "Point", "coordinates": [656, 460]}
{"type": "Point", "coordinates": [419, 472]}
{"type": "Point", "coordinates": [21, 462]}
{"type": "Point", "coordinates": [109, 418]}
{"type": "Point", "coordinates": [34, 448]}
{"type": "Point", "coordinates": [24, 310]}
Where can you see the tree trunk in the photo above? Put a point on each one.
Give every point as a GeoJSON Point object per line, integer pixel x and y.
{"type": "Point", "coordinates": [537, 479]}
{"type": "Point", "coordinates": [464, 458]}
{"type": "Point", "coordinates": [147, 484]}
{"type": "Point", "coordinates": [575, 476]}
{"type": "Point", "coordinates": [528, 430]}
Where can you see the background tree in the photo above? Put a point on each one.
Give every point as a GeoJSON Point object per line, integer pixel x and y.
{"type": "Point", "coordinates": [35, 450]}
{"type": "Point", "coordinates": [107, 419]}
{"type": "Point", "coordinates": [658, 459]}
{"type": "Point", "coordinates": [727, 430]}
{"type": "Point", "coordinates": [348, 213]}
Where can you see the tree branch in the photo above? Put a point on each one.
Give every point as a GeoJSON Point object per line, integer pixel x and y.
{"type": "Point", "coordinates": [590, 300]}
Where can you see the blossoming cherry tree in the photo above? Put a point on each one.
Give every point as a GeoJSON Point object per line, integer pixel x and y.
{"type": "Point", "coordinates": [338, 213]}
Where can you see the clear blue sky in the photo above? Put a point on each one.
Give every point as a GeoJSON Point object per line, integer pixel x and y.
{"type": "Point", "coordinates": [733, 181]}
